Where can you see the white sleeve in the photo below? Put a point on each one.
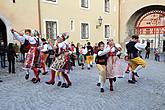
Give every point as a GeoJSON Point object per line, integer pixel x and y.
{"type": "Point", "coordinates": [61, 45]}
{"type": "Point", "coordinates": [105, 51]}
{"type": "Point", "coordinates": [45, 48]}
{"type": "Point", "coordinates": [18, 37]}
{"type": "Point", "coordinates": [140, 46]}
{"type": "Point", "coordinates": [112, 49]}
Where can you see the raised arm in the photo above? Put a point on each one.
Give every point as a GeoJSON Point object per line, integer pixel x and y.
{"type": "Point", "coordinates": [18, 36]}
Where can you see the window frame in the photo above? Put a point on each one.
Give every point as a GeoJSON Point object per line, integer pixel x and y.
{"type": "Point", "coordinates": [72, 30]}
{"type": "Point", "coordinates": [109, 7]}
{"type": "Point", "coordinates": [50, 2]}
{"type": "Point", "coordinates": [51, 20]}
{"type": "Point", "coordinates": [88, 30]}
{"type": "Point", "coordinates": [110, 31]}
{"type": "Point", "coordinates": [84, 8]}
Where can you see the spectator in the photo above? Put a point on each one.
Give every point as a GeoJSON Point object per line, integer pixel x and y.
{"type": "Point", "coordinates": [3, 55]}
{"type": "Point", "coordinates": [157, 54]}
{"type": "Point", "coordinates": [147, 50]}
{"type": "Point", "coordinates": [11, 54]}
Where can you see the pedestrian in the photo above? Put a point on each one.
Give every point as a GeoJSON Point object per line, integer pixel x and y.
{"type": "Point", "coordinates": [3, 55]}
{"type": "Point", "coordinates": [147, 50]}
{"type": "Point", "coordinates": [157, 54]}
{"type": "Point", "coordinates": [11, 54]}
{"type": "Point", "coordinates": [137, 63]}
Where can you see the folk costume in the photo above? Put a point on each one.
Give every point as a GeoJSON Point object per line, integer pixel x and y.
{"type": "Point", "coordinates": [101, 61]}
{"type": "Point", "coordinates": [110, 68]}
{"type": "Point", "coordinates": [61, 62]}
{"type": "Point", "coordinates": [31, 56]}
{"type": "Point", "coordinates": [89, 55]}
{"type": "Point", "coordinates": [136, 62]}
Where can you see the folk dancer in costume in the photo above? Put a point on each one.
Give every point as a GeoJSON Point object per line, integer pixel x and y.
{"type": "Point", "coordinates": [101, 61]}
{"type": "Point", "coordinates": [89, 55]}
{"type": "Point", "coordinates": [136, 62]}
{"type": "Point", "coordinates": [61, 62]}
{"type": "Point", "coordinates": [111, 67]}
{"type": "Point", "coordinates": [118, 69]}
{"type": "Point", "coordinates": [32, 55]}
{"type": "Point", "coordinates": [44, 55]}
{"type": "Point", "coordinates": [81, 59]}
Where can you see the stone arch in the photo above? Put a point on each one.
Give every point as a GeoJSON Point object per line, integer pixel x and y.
{"type": "Point", "coordinates": [131, 23]}
{"type": "Point", "coordinates": [7, 25]}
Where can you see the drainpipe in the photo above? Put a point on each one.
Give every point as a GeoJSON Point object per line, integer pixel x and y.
{"type": "Point", "coordinates": [39, 16]}
{"type": "Point", "coordinates": [119, 40]}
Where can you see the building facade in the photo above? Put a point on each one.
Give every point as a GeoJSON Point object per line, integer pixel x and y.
{"type": "Point", "coordinates": [85, 20]}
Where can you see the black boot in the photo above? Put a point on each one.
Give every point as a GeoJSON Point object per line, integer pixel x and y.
{"type": "Point", "coordinates": [27, 76]}
{"type": "Point", "coordinates": [98, 84]}
{"type": "Point", "coordinates": [59, 83]}
{"type": "Point", "coordinates": [131, 81]}
{"type": "Point", "coordinates": [63, 85]}
{"type": "Point", "coordinates": [102, 90]}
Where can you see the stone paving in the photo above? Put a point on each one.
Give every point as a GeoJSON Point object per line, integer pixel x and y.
{"type": "Point", "coordinates": [148, 93]}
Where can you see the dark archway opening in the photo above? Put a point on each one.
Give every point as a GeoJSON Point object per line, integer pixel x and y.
{"type": "Point", "coordinates": [3, 33]}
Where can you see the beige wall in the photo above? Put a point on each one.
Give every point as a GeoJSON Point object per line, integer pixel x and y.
{"type": "Point", "coordinates": [20, 15]}
{"type": "Point", "coordinates": [64, 11]}
{"type": "Point", "coordinates": [128, 8]}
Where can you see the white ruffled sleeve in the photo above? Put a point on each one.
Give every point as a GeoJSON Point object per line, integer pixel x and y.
{"type": "Point", "coordinates": [18, 37]}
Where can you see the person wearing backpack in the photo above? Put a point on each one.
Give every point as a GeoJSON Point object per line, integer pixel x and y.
{"type": "Point", "coordinates": [11, 54]}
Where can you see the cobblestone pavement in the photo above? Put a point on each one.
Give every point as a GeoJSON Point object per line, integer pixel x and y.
{"type": "Point", "coordinates": [148, 93]}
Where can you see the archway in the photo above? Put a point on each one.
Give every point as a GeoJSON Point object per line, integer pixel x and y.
{"type": "Point", "coordinates": [133, 24]}
{"type": "Point", "coordinates": [3, 33]}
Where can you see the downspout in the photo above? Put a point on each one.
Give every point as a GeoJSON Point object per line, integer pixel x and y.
{"type": "Point", "coordinates": [119, 40]}
{"type": "Point", "coordinates": [39, 16]}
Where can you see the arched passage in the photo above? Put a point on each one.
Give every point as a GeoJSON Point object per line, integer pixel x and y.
{"type": "Point", "coordinates": [135, 20]}
{"type": "Point", "coordinates": [3, 33]}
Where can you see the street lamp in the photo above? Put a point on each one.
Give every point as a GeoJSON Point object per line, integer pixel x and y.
{"type": "Point", "coordinates": [100, 20]}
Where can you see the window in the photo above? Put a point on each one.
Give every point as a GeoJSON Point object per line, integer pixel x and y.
{"type": "Point", "coordinates": [50, 1]}
{"type": "Point", "coordinates": [147, 31]}
{"type": "Point", "coordinates": [72, 25]}
{"type": "Point", "coordinates": [152, 41]}
{"type": "Point", "coordinates": [107, 31]}
{"type": "Point", "coordinates": [84, 3]}
{"type": "Point", "coordinates": [84, 31]}
{"type": "Point", "coordinates": [107, 6]}
{"type": "Point", "coordinates": [51, 29]}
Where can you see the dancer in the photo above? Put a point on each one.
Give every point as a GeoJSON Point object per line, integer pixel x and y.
{"type": "Point", "coordinates": [136, 62]}
{"type": "Point", "coordinates": [32, 55]}
{"type": "Point", "coordinates": [89, 55]}
{"type": "Point", "coordinates": [101, 61]}
{"type": "Point", "coordinates": [61, 62]}
{"type": "Point", "coordinates": [111, 64]}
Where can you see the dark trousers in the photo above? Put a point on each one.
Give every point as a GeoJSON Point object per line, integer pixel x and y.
{"type": "Point", "coordinates": [147, 55]}
{"type": "Point", "coordinates": [157, 58]}
{"type": "Point", "coordinates": [11, 66]}
{"type": "Point", "coordinates": [3, 63]}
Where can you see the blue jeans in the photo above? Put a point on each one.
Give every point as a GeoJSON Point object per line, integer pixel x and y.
{"type": "Point", "coordinates": [3, 64]}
